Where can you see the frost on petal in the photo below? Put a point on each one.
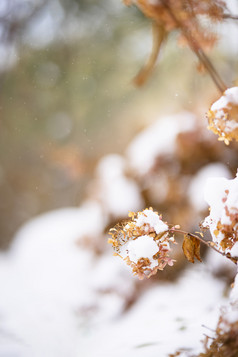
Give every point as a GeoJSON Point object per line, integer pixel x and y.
{"type": "Point", "coordinates": [223, 116]}
{"type": "Point", "coordinates": [222, 196]}
{"type": "Point", "coordinates": [143, 242]}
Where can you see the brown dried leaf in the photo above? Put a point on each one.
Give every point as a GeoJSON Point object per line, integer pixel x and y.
{"type": "Point", "coordinates": [196, 243]}
{"type": "Point", "coordinates": [191, 248]}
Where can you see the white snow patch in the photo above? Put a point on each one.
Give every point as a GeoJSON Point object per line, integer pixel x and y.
{"type": "Point", "coordinates": [143, 247]}
{"type": "Point", "coordinates": [234, 250]}
{"type": "Point", "coordinates": [44, 284]}
{"type": "Point", "coordinates": [157, 139]}
{"type": "Point", "coordinates": [196, 187]}
{"type": "Point", "coordinates": [218, 263]}
{"type": "Point", "coordinates": [229, 98]}
{"type": "Point", "coordinates": [167, 317]}
{"type": "Point", "coordinates": [234, 292]}
{"type": "Point", "coordinates": [117, 193]}
{"type": "Point", "coordinates": [51, 304]}
{"type": "Point", "coordinates": [222, 197]}
{"type": "Point", "coordinates": [148, 217]}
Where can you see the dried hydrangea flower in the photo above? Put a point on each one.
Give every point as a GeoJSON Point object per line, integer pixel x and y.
{"type": "Point", "coordinates": [143, 242]}
{"type": "Point", "coordinates": [222, 196]}
{"type": "Point", "coordinates": [172, 14]}
{"type": "Point", "coordinates": [187, 18]}
{"type": "Point", "coordinates": [223, 116]}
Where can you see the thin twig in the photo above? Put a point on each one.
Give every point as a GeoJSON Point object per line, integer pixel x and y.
{"type": "Point", "coordinates": [207, 243]}
{"type": "Point", "coordinates": [229, 16]}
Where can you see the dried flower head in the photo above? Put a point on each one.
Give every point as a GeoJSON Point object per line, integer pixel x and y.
{"type": "Point", "coordinates": [184, 16]}
{"type": "Point", "coordinates": [223, 116]}
{"type": "Point", "coordinates": [143, 242]}
{"type": "Point", "coordinates": [170, 13]}
{"type": "Point", "coordinates": [222, 196]}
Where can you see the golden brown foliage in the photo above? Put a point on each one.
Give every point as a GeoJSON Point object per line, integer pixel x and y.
{"type": "Point", "coordinates": [183, 16]}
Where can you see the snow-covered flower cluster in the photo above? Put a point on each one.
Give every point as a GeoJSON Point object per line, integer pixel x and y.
{"type": "Point", "coordinates": [143, 242]}
{"type": "Point", "coordinates": [222, 196]}
{"type": "Point", "coordinates": [223, 116]}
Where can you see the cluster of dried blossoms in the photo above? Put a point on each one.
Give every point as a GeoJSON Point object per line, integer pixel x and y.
{"type": "Point", "coordinates": [174, 14]}
{"type": "Point", "coordinates": [223, 116]}
{"type": "Point", "coordinates": [185, 16]}
{"type": "Point", "coordinates": [222, 196]}
{"type": "Point", "coordinates": [143, 241]}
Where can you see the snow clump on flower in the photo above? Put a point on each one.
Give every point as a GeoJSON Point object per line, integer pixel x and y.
{"type": "Point", "coordinates": [223, 116]}
{"type": "Point", "coordinates": [143, 242]}
{"type": "Point", "coordinates": [222, 196]}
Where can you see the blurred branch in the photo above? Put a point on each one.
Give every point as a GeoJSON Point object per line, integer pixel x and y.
{"type": "Point", "coordinates": [159, 36]}
{"type": "Point", "coordinates": [209, 244]}
{"type": "Point", "coordinates": [231, 17]}
{"type": "Point", "coordinates": [12, 24]}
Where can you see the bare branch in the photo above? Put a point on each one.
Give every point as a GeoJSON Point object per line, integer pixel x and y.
{"type": "Point", "coordinates": [230, 17]}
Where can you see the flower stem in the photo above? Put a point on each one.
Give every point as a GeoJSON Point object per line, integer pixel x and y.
{"type": "Point", "coordinates": [229, 16]}
{"type": "Point", "coordinates": [209, 244]}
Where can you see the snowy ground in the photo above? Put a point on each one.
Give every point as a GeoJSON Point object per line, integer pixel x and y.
{"type": "Point", "coordinates": [59, 300]}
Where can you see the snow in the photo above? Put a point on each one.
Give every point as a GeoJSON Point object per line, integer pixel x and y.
{"type": "Point", "coordinates": [110, 167]}
{"type": "Point", "coordinates": [230, 96]}
{"type": "Point", "coordinates": [117, 193]}
{"type": "Point", "coordinates": [47, 289]}
{"type": "Point", "coordinates": [166, 318]}
{"type": "Point", "coordinates": [220, 265]}
{"type": "Point", "coordinates": [159, 138]}
{"type": "Point", "coordinates": [234, 250]}
{"type": "Point", "coordinates": [58, 299]}
{"type": "Point", "coordinates": [214, 192]}
{"type": "Point", "coordinates": [148, 217]}
{"type": "Point", "coordinates": [196, 186]}
{"type": "Point", "coordinates": [231, 125]}
{"type": "Point", "coordinates": [231, 315]}
{"type": "Point", "coordinates": [228, 31]}
{"type": "Point", "coordinates": [232, 198]}
{"type": "Point", "coordinates": [234, 292]}
{"type": "Point", "coordinates": [143, 247]}
{"type": "Point", "coordinates": [223, 104]}
{"type": "Point", "coordinates": [220, 104]}
{"type": "Point", "coordinates": [222, 196]}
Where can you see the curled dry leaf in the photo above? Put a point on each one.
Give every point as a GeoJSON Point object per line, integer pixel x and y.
{"type": "Point", "coordinates": [191, 248]}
